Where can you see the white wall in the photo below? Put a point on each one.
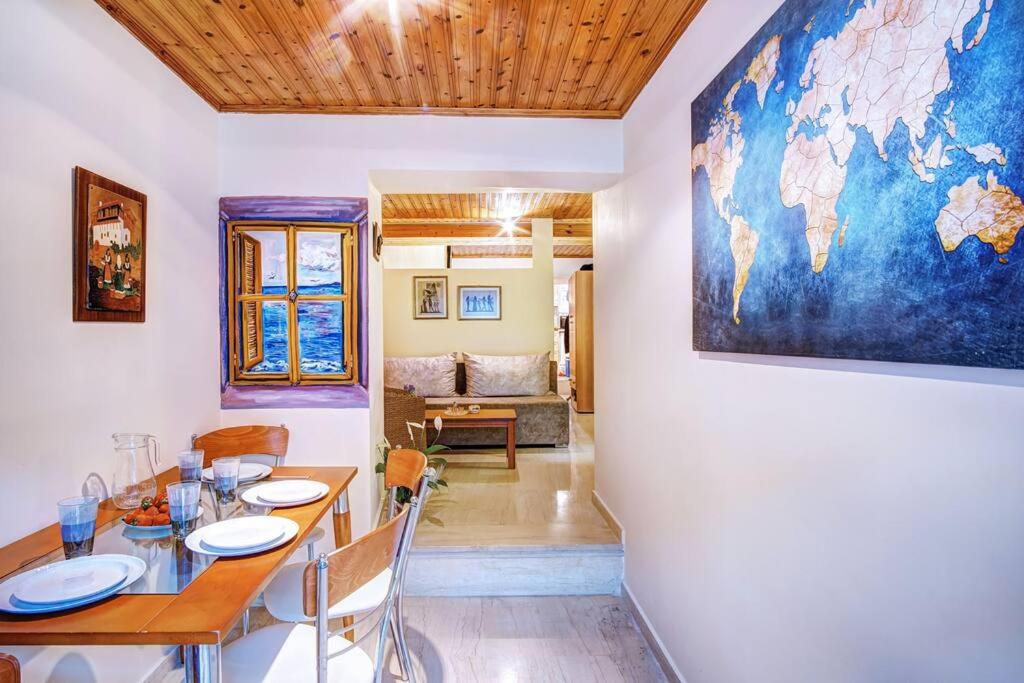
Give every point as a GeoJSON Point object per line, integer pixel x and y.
{"type": "Point", "coordinates": [332, 156]}
{"type": "Point", "coordinates": [791, 519]}
{"type": "Point", "coordinates": [77, 89]}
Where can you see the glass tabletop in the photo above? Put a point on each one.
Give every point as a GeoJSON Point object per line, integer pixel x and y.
{"type": "Point", "coordinates": [171, 566]}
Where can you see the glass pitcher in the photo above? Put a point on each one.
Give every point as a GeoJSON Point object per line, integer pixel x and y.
{"type": "Point", "coordinates": [135, 459]}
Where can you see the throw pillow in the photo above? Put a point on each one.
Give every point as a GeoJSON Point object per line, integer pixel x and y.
{"type": "Point", "coordinates": [506, 375]}
{"type": "Point", "coordinates": [430, 376]}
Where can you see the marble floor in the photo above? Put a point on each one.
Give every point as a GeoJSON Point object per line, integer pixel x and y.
{"type": "Point", "coordinates": [535, 639]}
{"type": "Point", "coordinates": [578, 639]}
{"type": "Point", "coordinates": [546, 500]}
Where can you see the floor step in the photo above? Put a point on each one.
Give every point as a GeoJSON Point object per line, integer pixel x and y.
{"type": "Point", "coordinates": [515, 570]}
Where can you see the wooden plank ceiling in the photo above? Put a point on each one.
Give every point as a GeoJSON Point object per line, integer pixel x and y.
{"type": "Point", "coordinates": [475, 224]}
{"type": "Point", "coordinates": [580, 58]}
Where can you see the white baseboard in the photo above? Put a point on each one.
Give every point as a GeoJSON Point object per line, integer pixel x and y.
{"type": "Point", "coordinates": [609, 517]}
{"type": "Point", "coordinates": [668, 665]}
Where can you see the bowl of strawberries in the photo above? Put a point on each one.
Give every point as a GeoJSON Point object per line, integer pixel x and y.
{"type": "Point", "coordinates": [153, 513]}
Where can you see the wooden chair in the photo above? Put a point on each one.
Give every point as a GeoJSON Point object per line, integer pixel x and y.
{"type": "Point", "coordinates": [10, 669]}
{"type": "Point", "coordinates": [258, 442]}
{"type": "Point", "coordinates": [283, 597]}
{"type": "Point", "coordinates": [264, 444]}
{"type": "Point", "coordinates": [300, 652]}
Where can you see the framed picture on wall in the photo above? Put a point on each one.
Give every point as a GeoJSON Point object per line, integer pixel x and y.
{"type": "Point", "coordinates": [479, 303]}
{"type": "Point", "coordinates": [430, 297]}
{"type": "Point", "coordinates": [109, 261]}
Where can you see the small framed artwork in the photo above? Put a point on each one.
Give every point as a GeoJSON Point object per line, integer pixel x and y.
{"type": "Point", "coordinates": [430, 298]}
{"type": "Point", "coordinates": [109, 259]}
{"type": "Point", "coordinates": [479, 303]}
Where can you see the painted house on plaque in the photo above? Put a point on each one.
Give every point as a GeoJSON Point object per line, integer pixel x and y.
{"type": "Point", "coordinates": [109, 228]}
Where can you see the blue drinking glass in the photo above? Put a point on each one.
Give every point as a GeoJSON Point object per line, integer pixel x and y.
{"type": "Point", "coordinates": [77, 518]}
{"type": "Point", "coordinates": [225, 478]}
{"type": "Point", "coordinates": [190, 465]}
{"type": "Point", "coordinates": [183, 504]}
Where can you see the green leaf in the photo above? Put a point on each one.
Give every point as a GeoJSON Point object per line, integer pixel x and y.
{"type": "Point", "coordinates": [432, 485]}
{"type": "Point", "coordinates": [380, 468]}
{"type": "Point", "coordinates": [430, 450]}
{"type": "Point", "coordinates": [442, 482]}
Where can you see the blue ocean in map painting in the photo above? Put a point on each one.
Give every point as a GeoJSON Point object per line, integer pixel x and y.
{"type": "Point", "coordinates": [858, 175]}
{"type": "Point", "coordinates": [321, 347]}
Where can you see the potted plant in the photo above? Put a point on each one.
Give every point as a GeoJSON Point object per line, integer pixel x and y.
{"type": "Point", "coordinates": [404, 495]}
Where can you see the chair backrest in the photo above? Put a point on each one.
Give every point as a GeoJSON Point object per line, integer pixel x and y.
{"type": "Point", "coordinates": [10, 669]}
{"type": "Point", "coordinates": [245, 440]}
{"type": "Point", "coordinates": [355, 564]}
{"type": "Point", "coordinates": [405, 468]}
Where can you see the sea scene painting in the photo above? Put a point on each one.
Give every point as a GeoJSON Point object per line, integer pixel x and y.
{"type": "Point", "coordinates": [857, 176]}
{"type": "Point", "coordinates": [321, 328]}
{"type": "Point", "coordinates": [115, 256]}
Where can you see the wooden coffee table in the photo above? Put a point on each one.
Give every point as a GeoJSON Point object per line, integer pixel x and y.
{"type": "Point", "coordinates": [487, 417]}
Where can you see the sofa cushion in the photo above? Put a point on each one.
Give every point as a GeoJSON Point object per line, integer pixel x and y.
{"type": "Point", "coordinates": [429, 375]}
{"type": "Point", "coordinates": [460, 377]}
{"type": "Point", "coordinates": [506, 375]}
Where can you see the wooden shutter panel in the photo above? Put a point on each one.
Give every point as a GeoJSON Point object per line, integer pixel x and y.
{"type": "Point", "coordinates": [251, 282]}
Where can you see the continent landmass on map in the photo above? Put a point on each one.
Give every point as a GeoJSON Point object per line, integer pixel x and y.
{"type": "Point", "coordinates": [721, 155]}
{"type": "Point", "coordinates": [888, 64]}
{"type": "Point", "coordinates": [993, 214]}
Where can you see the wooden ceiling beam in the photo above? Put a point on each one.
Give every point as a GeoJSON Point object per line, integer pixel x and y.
{"type": "Point", "coordinates": [482, 241]}
{"type": "Point", "coordinates": [463, 230]}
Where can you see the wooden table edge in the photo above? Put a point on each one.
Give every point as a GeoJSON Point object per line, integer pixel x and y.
{"type": "Point", "coordinates": [157, 636]}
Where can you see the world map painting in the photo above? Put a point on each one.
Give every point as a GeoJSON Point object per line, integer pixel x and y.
{"type": "Point", "coordinates": [858, 185]}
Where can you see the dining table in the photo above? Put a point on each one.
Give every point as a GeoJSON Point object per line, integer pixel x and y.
{"type": "Point", "coordinates": [185, 599]}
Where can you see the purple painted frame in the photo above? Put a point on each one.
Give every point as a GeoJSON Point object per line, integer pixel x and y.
{"type": "Point", "coordinates": [326, 209]}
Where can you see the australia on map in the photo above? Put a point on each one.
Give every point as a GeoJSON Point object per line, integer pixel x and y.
{"type": "Point", "coordinates": [858, 185]}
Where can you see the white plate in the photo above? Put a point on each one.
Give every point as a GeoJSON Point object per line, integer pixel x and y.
{"type": "Point", "coordinates": [243, 532]}
{"type": "Point", "coordinates": [247, 471]}
{"type": "Point", "coordinates": [159, 527]}
{"type": "Point", "coordinates": [194, 541]}
{"type": "Point", "coordinates": [70, 580]}
{"type": "Point", "coordinates": [9, 603]}
{"type": "Point", "coordinates": [289, 492]}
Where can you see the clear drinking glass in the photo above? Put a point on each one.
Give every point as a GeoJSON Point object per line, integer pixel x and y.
{"type": "Point", "coordinates": [183, 500]}
{"type": "Point", "coordinates": [190, 465]}
{"type": "Point", "coordinates": [225, 478]}
{"type": "Point", "coordinates": [77, 524]}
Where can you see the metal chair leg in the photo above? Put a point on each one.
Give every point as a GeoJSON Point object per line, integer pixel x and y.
{"type": "Point", "coordinates": [398, 629]}
{"type": "Point", "coordinates": [245, 622]}
{"type": "Point", "coordinates": [378, 660]}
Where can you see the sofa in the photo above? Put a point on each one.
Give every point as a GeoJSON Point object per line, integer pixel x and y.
{"type": "Point", "coordinates": [540, 420]}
